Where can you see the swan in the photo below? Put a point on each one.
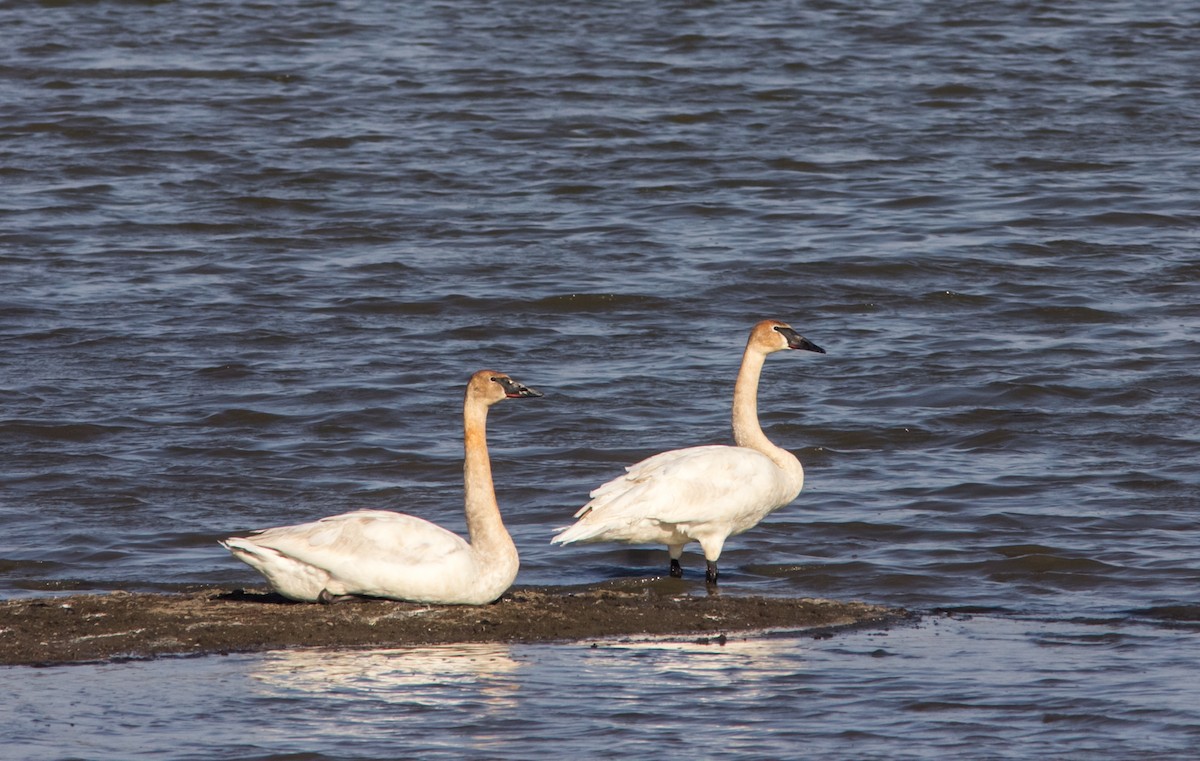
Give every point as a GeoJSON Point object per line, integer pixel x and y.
{"type": "Point", "coordinates": [379, 553]}
{"type": "Point", "coordinates": [706, 493]}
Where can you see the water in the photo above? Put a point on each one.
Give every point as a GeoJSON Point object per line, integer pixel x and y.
{"type": "Point", "coordinates": [250, 253]}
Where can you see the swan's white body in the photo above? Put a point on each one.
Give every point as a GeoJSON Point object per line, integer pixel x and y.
{"type": "Point", "coordinates": [379, 553]}
{"type": "Point", "coordinates": [699, 494]}
{"type": "Point", "coordinates": [703, 494]}
{"type": "Point", "coordinates": [375, 553]}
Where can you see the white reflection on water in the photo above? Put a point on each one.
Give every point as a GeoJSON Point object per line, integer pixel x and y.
{"type": "Point", "coordinates": [431, 676]}
{"type": "Point", "coordinates": [712, 662]}
{"type": "Point", "coordinates": [430, 700]}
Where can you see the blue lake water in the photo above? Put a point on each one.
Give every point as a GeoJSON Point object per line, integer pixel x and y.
{"type": "Point", "coordinates": [251, 252]}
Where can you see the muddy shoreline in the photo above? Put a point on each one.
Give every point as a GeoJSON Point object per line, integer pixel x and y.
{"type": "Point", "coordinates": [122, 625]}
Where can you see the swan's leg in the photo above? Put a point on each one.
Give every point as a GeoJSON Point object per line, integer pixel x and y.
{"type": "Point", "coordinates": [712, 546]}
{"type": "Point", "coordinates": [710, 572]}
{"type": "Point", "coordinates": [675, 551]}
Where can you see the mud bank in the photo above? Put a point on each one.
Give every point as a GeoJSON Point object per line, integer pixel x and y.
{"type": "Point", "coordinates": [120, 625]}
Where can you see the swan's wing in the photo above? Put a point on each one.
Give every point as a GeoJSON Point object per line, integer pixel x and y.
{"type": "Point", "coordinates": [340, 543]}
{"type": "Point", "coordinates": [650, 469]}
{"type": "Point", "coordinates": [683, 486]}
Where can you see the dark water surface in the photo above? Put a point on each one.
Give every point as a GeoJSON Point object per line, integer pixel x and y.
{"type": "Point", "coordinates": [251, 252]}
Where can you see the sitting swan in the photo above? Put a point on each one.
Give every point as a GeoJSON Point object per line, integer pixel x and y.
{"type": "Point", "coordinates": [378, 553]}
{"type": "Point", "coordinates": [707, 493]}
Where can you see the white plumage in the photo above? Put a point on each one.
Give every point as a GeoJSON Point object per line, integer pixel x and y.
{"type": "Point", "coordinates": [374, 553]}
{"type": "Point", "coordinates": [378, 553]}
{"type": "Point", "coordinates": [707, 493]}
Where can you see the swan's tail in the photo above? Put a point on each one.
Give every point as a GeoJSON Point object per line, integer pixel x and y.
{"type": "Point", "coordinates": [247, 551]}
{"type": "Point", "coordinates": [580, 532]}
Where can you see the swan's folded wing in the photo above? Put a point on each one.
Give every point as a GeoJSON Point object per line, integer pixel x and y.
{"type": "Point", "coordinates": [682, 486]}
{"type": "Point", "coordinates": [363, 537]}
{"type": "Point", "coordinates": [640, 471]}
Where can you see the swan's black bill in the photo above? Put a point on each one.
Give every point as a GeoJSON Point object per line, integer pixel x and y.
{"type": "Point", "coordinates": [797, 341]}
{"type": "Point", "coordinates": [514, 390]}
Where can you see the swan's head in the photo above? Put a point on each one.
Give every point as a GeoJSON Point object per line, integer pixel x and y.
{"type": "Point", "coordinates": [772, 335]}
{"type": "Point", "coordinates": [492, 386]}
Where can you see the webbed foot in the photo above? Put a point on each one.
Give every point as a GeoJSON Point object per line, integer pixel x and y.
{"type": "Point", "coordinates": [328, 599]}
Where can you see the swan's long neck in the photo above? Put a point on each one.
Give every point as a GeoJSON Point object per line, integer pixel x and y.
{"type": "Point", "coordinates": [486, 528]}
{"type": "Point", "coordinates": [746, 430]}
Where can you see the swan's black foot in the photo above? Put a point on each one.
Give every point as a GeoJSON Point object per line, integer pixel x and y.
{"type": "Point", "coordinates": [327, 599]}
{"type": "Point", "coordinates": [710, 573]}
{"type": "Point", "coordinates": [676, 569]}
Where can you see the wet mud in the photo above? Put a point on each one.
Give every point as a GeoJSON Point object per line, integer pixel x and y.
{"type": "Point", "coordinates": [122, 625]}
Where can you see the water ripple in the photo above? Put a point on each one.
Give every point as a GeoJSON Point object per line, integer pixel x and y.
{"type": "Point", "coordinates": [250, 253]}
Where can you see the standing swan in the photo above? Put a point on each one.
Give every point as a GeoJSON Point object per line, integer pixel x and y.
{"type": "Point", "coordinates": [702, 494]}
{"type": "Point", "coordinates": [378, 553]}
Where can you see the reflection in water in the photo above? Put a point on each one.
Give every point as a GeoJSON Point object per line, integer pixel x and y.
{"type": "Point", "coordinates": [718, 659]}
{"type": "Point", "coordinates": [433, 699]}
{"type": "Point", "coordinates": [430, 676]}
{"type": "Point", "coordinates": [482, 697]}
